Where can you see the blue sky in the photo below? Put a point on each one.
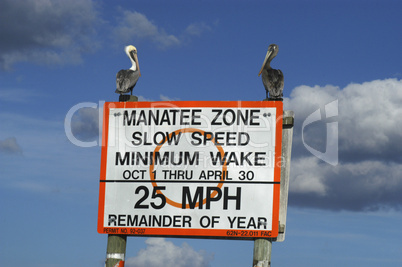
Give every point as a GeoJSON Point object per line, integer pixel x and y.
{"type": "Point", "coordinates": [55, 55]}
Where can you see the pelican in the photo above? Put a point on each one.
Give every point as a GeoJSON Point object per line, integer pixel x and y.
{"type": "Point", "coordinates": [127, 79]}
{"type": "Point", "coordinates": [272, 78]}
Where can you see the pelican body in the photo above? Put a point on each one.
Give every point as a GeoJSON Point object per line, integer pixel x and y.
{"type": "Point", "coordinates": [272, 79]}
{"type": "Point", "coordinates": [127, 79]}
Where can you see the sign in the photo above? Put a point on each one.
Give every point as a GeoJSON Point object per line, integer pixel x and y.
{"type": "Point", "coordinates": [191, 169]}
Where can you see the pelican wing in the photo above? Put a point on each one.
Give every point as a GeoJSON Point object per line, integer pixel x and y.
{"type": "Point", "coordinates": [126, 80]}
{"type": "Point", "coordinates": [273, 81]}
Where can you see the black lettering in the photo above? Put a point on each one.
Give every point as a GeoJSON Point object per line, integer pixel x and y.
{"type": "Point", "coordinates": [174, 112]}
{"type": "Point", "coordinates": [141, 118]}
{"type": "Point", "coordinates": [240, 222]}
{"type": "Point", "coordinates": [232, 116]}
{"type": "Point", "coordinates": [241, 118]}
{"type": "Point", "coordinates": [165, 118]}
{"type": "Point", "coordinates": [143, 221]}
{"type": "Point", "coordinates": [196, 136]}
{"type": "Point", "coordinates": [186, 220]}
{"type": "Point", "coordinates": [127, 120]}
{"type": "Point", "coordinates": [254, 117]}
{"type": "Point", "coordinates": [167, 220]}
{"type": "Point", "coordinates": [192, 202]}
{"type": "Point", "coordinates": [219, 136]}
{"type": "Point", "coordinates": [231, 221]}
{"type": "Point", "coordinates": [214, 120]}
{"type": "Point", "coordinates": [121, 220]}
{"type": "Point", "coordinates": [257, 158]}
{"type": "Point", "coordinates": [210, 198]}
{"type": "Point", "coordinates": [162, 138]}
{"type": "Point", "coordinates": [218, 156]}
{"type": "Point", "coordinates": [251, 223]}
{"type": "Point", "coordinates": [153, 117]}
{"type": "Point", "coordinates": [144, 160]}
{"type": "Point", "coordinates": [124, 161]}
{"type": "Point", "coordinates": [192, 161]}
{"type": "Point", "coordinates": [245, 158]}
{"type": "Point", "coordinates": [179, 159]}
{"type": "Point", "coordinates": [262, 221]}
{"type": "Point", "coordinates": [230, 136]}
{"type": "Point", "coordinates": [112, 219]}
{"type": "Point", "coordinates": [173, 137]}
{"type": "Point", "coordinates": [194, 117]}
{"type": "Point", "coordinates": [132, 220]}
{"type": "Point", "coordinates": [156, 221]}
{"type": "Point", "coordinates": [176, 221]}
{"type": "Point", "coordinates": [183, 116]}
{"type": "Point", "coordinates": [137, 138]}
{"type": "Point", "coordinates": [159, 160]}
{"type": "Point", "coordinates": [236, 197]}
{"type": "Point", "coordinates": [233, 158]}
{"type": "Point", "coordinates": [208, 136]}
{"type": "Point", "coordinates": [246, 141]}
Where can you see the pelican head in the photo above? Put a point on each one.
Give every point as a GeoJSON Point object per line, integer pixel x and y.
{"type": "Point", "coordinates": [130, 48]}
{"type": "Point", "coordinates": [271, 53]}
{"type": "Point", "coordinates": [131, 52]}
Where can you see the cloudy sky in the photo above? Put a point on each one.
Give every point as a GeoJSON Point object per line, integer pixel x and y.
{"type": "Point", "coordinates": [342, 63]}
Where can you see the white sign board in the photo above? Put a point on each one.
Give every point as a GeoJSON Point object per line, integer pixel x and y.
{"type": "Point", "coordinates": [200, 169]}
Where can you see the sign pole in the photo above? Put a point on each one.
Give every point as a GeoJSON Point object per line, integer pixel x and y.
{"type": "Point", "coordinates": [116, 244]}
{"type": "Point", "coordinates": [262, 253]}
{"type": "Point", "coordinates": [263, 247]}
{"type": "Point", "coordinates": [116, 250]}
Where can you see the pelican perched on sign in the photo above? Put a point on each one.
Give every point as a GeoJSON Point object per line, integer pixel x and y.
{"type": "Point", "coordinates": [271, 78]}
{"type": "Point", "coordinates": [127, 79]}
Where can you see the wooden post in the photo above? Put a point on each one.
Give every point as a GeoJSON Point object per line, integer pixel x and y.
{"type": "Point", "coordinates": [287, 137]}
{"type": "Point", "coordinates": [262, 253]}
{"type": "Point", "coordinates": [116, 250]}
{"type": "Point", "coordinates": [263, 247]}
{"type": "Point", "coordinates": [116, 244]}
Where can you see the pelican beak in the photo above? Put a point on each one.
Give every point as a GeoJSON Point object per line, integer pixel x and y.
{"type": "Point", "coordinates": [269, 52]}
{"type": "Point", "coordinates": [136, 63]}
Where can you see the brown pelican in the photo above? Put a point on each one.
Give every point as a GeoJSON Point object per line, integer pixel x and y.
{"type": "Point", "coordinates": [126, 79]}
{"type": "Point", "coordinates": [272, 78]}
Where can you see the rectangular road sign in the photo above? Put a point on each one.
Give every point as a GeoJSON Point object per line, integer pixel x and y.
{"type": "Point", "coordinates": [191, 169]}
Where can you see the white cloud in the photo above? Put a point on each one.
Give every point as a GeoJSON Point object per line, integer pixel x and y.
{"type": "Point", "coordinates": [369, 173]}
{"type": "Point", "coordinates": [167, 98]}
{"type": "Point", "coordinates": [365, 185]}
{"type": "Point", "coordinates": [46, 31]}
{"type": "Point", "coordinates": [10, 146]}
{"type": "Point", "coordinates": [370, 117]}
{"type": "Point", "coordinates": [85, 124]}
{"type": "Point", "coordinates": [136, 26]}
{"type": "Point", "coordinates": [144, 99]}
{"type": "Point", "coordinates": [307, 176]}
{"type": "Point", "coordinates": [197, 29]}
{"type": "Point", "coordinates": [160, 252]}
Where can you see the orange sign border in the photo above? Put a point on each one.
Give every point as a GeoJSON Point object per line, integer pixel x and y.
{"type": "Point", "coordinates": [199, 233]}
